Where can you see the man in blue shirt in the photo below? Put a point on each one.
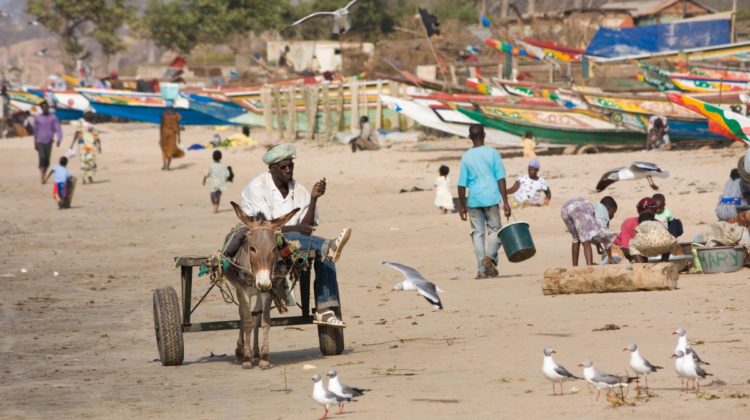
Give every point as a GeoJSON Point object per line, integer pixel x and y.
{"type": "Point", "coordinates": [483, 173]}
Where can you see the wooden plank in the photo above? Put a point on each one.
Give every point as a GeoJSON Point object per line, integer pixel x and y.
{"type": "Point", "coordinates": [610, 278]}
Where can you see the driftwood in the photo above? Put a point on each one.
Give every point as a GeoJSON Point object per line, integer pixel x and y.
{"type": "Point", "coordinates": [610, 278]}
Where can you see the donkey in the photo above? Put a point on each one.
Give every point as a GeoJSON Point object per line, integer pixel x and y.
{"type": "Point", "coordinates": [257, 255]}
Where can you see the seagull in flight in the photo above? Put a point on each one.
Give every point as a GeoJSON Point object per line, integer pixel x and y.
{"type": "Point", "coordinates": [340, 19]}
{"type": "Point", "coordinates": [555, 372]}
{"type": "Point", "coordinates": [414, 281]}
{"type": "Point", "coordinates": [637, 170]}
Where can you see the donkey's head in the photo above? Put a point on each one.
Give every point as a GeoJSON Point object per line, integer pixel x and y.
{"type": "Point", "coordinates": [260, 244]}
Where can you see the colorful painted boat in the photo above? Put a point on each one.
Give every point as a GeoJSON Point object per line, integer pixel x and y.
{"type": "Point", "coordinates": [730, 124]}
{"type": "Point", "coordinates": [696, 83]}
{"type": "Point", "coordinates": [633, 112]}
{"type": "Point", "coordinates": [554, 126]}
{"type": "Point", "coordinates": [144, 107]}
{"type": "Point", "coordinates": [436, 115]}
{"type": "Point", "coordinates": [563, 98]}
{"type": "Point", "coordinates": [558, 52]}
{"type": "Point", "coordinates": [29, 100]}
{"type": "Point", "coordinates": [220, 106]}
{"type": "Point", "coordinates": [70, 103]}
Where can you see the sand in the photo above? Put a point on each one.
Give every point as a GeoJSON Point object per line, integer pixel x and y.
{"type": "Point", "coordinates": [81, 344]}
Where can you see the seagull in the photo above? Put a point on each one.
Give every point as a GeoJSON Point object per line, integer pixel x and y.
{"type": "Point", "coordinates": [341, 390]}
{"type": "Point", "coordinates": [340, 19]}
{"type": "Point", "coordinates": [325, 397]}
{"type": "Point", "coordinates": [34, 23]}
{"type": "Point", "coordinates": [640, 365]}
{"type": "Point", "coordinates": [682, 344]}
{"type": "Point", "coordinates": [603, 380]}
{"type": "Point", "coordinates": [692, 370]}
{"type": "Point", "coordinates": [41, 53]}
{"type": "Point", "coordinates": [679, 357]}
{"type": "Point", "coordinates": [555, 372]}
{"type": "Point", "coordinates": [637, 170]}
{"type": "Point", "coordinates": [414, 281]}
{"type": "Point", "coordinates": [4, 14]}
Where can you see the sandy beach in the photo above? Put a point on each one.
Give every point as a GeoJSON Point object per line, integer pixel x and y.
{"type": "Point", "coordinates": [81, 344]}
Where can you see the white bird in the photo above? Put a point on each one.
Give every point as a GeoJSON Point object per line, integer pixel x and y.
{"type": "Point", "coordinates": [41, 53]}
{"type": "Point", "coordinates": [340, 19]}
{"type": "Point", "coordinates": [682, 344]}
{"type": "Point", "coordinates": [555, 372]}
{"type": "Point", "coordinates": [692, 370]}
{"type": "Point", "coordinates": [679, 357]}
{"type": "Point", "coordinates": [637, 170]}
{"type": "Point", "coordinates": [640, 365]}
{"type": "Point", "coordinates": [342, 390]}
{"type": "Point", "coordinates": [4, 14]}
{"type": "Point", "coordinates": [325, 397]}
{"type": "Point", "coordinates": [414, 281]}
{"type": "Point", "coordinates": [34, 23]}
{"type": "Point", "coordinates": [603, 380]}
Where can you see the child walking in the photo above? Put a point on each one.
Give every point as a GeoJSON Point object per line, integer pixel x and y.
{"type": "Point", "coordinates": [218, 175]}
{"type": "Point", "coordinates": [443, 197]}
{"type": "Point", "coordinates": [62, 189]}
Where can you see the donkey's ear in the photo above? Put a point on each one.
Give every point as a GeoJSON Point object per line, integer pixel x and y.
{"type": "Point", "coordinates": [281, 221]}
{"type": "Point", "coordinates": [247, 220]}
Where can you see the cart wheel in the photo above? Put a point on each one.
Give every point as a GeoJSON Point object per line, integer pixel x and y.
{"type": "Point", "coordinates": [331, 338]}
{"type": "Point", "coordinates": [168, 327]}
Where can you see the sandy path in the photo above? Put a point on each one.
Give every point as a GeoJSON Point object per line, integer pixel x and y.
{"type": "Point", "coordinates": [82, 345]}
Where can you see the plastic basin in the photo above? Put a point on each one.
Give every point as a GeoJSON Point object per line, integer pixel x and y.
{"type": "Point", "coordinates": [721, 259]}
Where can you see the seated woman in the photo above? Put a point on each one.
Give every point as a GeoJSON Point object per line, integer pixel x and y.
{"type": "Point", "coordinates": [651, 239]}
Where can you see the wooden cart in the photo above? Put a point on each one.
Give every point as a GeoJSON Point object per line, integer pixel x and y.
{"type": "Point", "coordinates": [170, 325]}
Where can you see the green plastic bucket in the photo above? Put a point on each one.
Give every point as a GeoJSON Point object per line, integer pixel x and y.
{"type": "Point", "coordinates": [517, 242]}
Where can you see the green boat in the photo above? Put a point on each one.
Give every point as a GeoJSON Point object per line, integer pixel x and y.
{"type": "Point", "coordinates": [555, 127]}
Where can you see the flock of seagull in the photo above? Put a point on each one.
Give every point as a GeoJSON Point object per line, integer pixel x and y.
{"type": "Point", "coordinates": [687, 366]}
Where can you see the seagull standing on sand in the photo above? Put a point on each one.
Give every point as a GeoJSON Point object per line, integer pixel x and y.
{"type": "Point", "coordinates": [341, 390]}
{"type": "Point", "coordinates": [638, 170]}
{"type": "Point", "coordinates": [603, 380]}
{"type": "Point", "coordinates": [679, 357]}
{"type": "Point", "coordinates": [692, 370]}
{"type": "Point", "coordinates": [414, 281]}
{"type": "Point", "coordinates": [682, 344]}
{"type": "Point", "coordinates": [555, 372]}
{"type": "Point", "coordinates": [325, 397]}
{"type": "Point", "coordinates": [340, 19]}
{"type": "Point", "coordinates": [640, 365]}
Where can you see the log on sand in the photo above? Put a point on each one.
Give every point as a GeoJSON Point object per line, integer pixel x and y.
{"type": "Point", "coordinates": [610, 278]}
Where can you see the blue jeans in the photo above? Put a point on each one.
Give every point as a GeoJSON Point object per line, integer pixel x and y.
{"type": "Point", "coordinates": [326, 287]}
{"type": "Point", "coordinates": [485, 219]}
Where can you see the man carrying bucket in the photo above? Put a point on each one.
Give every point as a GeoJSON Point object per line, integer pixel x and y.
{"type": "Point", "coordinates": [483, 173]}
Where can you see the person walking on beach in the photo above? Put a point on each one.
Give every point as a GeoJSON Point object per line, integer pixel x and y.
{"type": "Point", "coordinates": [483, 174]}
{"type": "Point", "coordinates": [46, 126]}
{"type": "Point", "coordinates": [218, 175]}
{"type": "Point", "coordinates": [170, 137]}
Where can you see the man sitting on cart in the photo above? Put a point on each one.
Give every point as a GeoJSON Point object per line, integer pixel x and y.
{"type": "Point", "coordinates": [276, 193]}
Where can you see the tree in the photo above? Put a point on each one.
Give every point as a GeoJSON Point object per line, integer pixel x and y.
{"type": "Point", "coordinates": [73, 20]}
{"type": "Point", "coordinates": [180, 25]}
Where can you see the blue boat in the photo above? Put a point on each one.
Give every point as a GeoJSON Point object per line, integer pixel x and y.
{"type": "Point", "coordinates": [146, 107]}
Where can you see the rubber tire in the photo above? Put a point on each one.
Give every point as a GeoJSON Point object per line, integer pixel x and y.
{"type": "Point", "coordinates": [168, 327]}
{"type": "Point", "coordinates": [331, 339]}
{"type": "Point", "coordinates": [587, 150]}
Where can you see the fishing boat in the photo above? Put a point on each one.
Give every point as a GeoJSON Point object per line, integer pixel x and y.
{"type": "Point", "coordinates": [554, 125]}
{"type": "Point", "coordinates": [30, 100]}
{"type": "Point", "coordinates": [145, 107]}
{"type": "Point", "coordinates": [698, 83]}
{"type": "Point", "coordinates": [69, 105]}
{"type": "Point", "coordinates": [633, 111]}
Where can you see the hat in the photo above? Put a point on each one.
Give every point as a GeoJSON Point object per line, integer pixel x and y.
{"type": "Point", "coordinates": [278, 153]}
{"type": "Point", "coordinates": [646, 205]}
{"type": "Point", "coordinates": [534, 163]}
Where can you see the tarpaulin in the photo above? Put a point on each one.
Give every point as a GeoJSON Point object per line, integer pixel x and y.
{"type": "Point", "coordinates": [616, 42]}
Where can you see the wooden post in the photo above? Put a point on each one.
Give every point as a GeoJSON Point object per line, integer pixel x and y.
{"type": "Point", "coordinates": [365, 92]}
{"type": "Point", "coordinates": [393, 90]}
{"type": "Point", "coordinates": [379, 107]}
{"type": "Point", "coordinates": [279, 113]}
{"type": "Point", "coordinates": [734, 22]}
{"type": "Point", "coordinates": [292, 111]}
{"type": "Point", "coordinates": [327, 128]}
{"type": "Point", "coordinates": [312, 111]}
{"type": "Point", "coordinates": [340, 108]}
{"type": "Point", "coordinates": [437, 59]}
{"type": "Point", "coordinates": [354, 104]}
{"type": "Point", "coordinates": [610, 278]}
{"type": "Point", "coordinates": [266, 100]}
{"type": "Point", "coordinates": [454, 79]}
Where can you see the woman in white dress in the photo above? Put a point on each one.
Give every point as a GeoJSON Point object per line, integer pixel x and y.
{"type": "Point", "coordinates": [443, 197]}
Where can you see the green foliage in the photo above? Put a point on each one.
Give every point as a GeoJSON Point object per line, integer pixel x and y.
{"type": "Point", "coordinates": [743, 14]}
{"type": "Point", "coordinates": [181, 25]}
{"type": "Point", "coordinates": [76, 19]}
{"type": "Point", "coordinates": [465, 11]}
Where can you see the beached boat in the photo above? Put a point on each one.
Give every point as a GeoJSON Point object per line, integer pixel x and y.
{"type": "Point", "coordinates": [633, 111]}
{"type": "Point", "coordinates": [554, 126]}
{"type": "Point", "coordinates": [70, 104]}
{"type": "Point", "coordinates": [697, 83]}
{"type": "Point", "coordinates": [145, 107]}
{"type": "Point", "coordinates": [563, 98]}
